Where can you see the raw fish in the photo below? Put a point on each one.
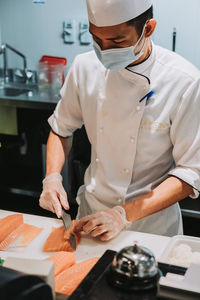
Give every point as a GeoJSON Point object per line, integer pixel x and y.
{"type": "Point", "coordinates": [8, 224]}
{"type": "Point", "coordinates": [67, 281]}
{"type": "Point", "coordinates": [62, 261]}
{"type": "Point", "coordinates": [58, 239]}
{"type": "Point", "coordinates": [20, 237]}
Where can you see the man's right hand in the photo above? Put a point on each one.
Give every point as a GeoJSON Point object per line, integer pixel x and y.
{"type": "Point", "coordinates": [53, 196]}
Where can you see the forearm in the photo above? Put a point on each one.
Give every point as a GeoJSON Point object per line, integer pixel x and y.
{"type": "Point", "coordinates": [57, 150]}
{"type": "Point", "coordinates": [167, 193]}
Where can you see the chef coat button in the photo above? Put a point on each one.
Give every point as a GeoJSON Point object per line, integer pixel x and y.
{"type": "Point", "coordinates": [97, 160]}
{"type": "Point", "coordinates": [132, 139]}
{"type": "Point", "coordinates": [138, 108]}
{"type": "Point", "coordinates": [101, 130]}
{"type": "Point", "coordinates": [127, 171]}
{"type": "Point", "coordinates": [119, 200]}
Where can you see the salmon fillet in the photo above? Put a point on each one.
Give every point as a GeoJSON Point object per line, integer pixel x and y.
{"type": "Point", "coordinates": [8, 224]}
{"type": "Point", "coordinates": [67, 281]}
{"type": "Point", "coordinates": [58, 239]}
{"type": "Point", "coordinates": [62, 261]}
{"type": "Point", "coordinates": [20, 237]}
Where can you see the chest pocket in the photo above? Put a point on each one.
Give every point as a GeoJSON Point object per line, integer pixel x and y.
{"type": "Point", "coordinates": [154, 133]}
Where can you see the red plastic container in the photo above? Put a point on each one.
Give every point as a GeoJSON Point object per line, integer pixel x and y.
{"type": "Point", "coordinates": [54, 60]}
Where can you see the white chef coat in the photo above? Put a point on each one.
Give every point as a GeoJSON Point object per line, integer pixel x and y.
{"type": "Point", "coordinates": [135, 144]}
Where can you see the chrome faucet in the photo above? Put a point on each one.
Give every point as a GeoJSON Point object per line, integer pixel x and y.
{"type": "Point", "coordinates": [3, 50]}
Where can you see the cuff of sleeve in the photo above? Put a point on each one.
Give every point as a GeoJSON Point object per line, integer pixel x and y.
{"type": "Point", "coordinates": [195, 194]}
{"type": "Point", "coordinates": [189, 176]}
{"type": "Point", "coordinates": [58, 128]}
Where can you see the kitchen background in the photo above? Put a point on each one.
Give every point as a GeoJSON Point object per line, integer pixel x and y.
{"type": "Point", "coordinates": [37, 29]}
{"type": "Point", "coordinates": [60, 28]}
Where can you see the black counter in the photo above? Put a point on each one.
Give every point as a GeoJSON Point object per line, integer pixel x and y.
{"type": "Point", "coordinates": [22, 173]}
{"type": "Point", "coordinates": [96, 285]}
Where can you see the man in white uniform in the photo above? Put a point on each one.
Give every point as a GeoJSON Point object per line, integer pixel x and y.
{"type": "Point", "coordinates": [140, 106]}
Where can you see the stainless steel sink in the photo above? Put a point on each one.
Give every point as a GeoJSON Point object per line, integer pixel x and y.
{"type": "Point", "coordinates": [8, 91]}
{"type": "Point", "coordinates": [16, 89]}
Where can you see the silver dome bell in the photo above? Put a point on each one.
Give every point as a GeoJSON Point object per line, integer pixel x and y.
{"type": "Point", "coordinates": [134, 268]}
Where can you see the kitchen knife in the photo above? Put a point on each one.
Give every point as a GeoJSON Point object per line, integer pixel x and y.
{"type": "Point", "coordinates": [67, 221]}
{"type": "Point", "coordinates": [72, 241]}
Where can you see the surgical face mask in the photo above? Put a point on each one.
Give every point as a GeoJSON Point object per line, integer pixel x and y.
{"type": "Point", "coordinates": [118, 58]}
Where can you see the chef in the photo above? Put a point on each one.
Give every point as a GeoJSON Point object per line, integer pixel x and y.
{"type": "Point", "coordinates": [140, 106]}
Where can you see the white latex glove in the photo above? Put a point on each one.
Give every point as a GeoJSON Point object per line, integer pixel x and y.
{"type": "Point", "coordinates": [53, 196]}
{"type": "Point", "coordinates": [104, 224]}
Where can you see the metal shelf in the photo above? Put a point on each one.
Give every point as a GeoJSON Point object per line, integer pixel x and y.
{"type": "Point", "coordinates": [190, 213]}
{"type": "Point", "coordinates": [20, 191]}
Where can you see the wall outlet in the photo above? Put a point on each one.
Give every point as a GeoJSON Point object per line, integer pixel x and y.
{"type": "Point", "coordinates": [69, 31]}
{"type": "Point", "coordinates": [84, 35]}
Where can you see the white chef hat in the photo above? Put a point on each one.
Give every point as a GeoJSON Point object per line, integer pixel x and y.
{"type": "Point", "coordinates": [114, 12]}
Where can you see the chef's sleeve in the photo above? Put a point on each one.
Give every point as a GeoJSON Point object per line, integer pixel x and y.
{"type": "Point", "coordinates": [185, 136]}
{"type": "Point", "coordinates": [67, 116]}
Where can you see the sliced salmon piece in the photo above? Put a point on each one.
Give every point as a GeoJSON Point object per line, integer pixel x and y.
{"type": "Point", "coordinates": [58, 239]}
{"type": "Point", "coordinates": [67, 281]}
{"type": "Point", "coordinates": [62, 261]}
{"type": "Point", "coordinates": [20, 237]}
{"type": "Point", "coordinates": [70, 231]}
{"type": "Point", "coordinates": [8, 224]}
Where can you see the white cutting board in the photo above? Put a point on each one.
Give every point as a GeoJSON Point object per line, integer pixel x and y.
{"type": "Point", "coordinates": [88, 247]}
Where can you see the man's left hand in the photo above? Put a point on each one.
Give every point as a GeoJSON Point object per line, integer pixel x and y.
{"type": "Point", "coordinates": [104, 224]}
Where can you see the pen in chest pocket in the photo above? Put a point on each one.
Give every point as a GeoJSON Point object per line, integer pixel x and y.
{"type": "Point", "coordinates": [147, 96]}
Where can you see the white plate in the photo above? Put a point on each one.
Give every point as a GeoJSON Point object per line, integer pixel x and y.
{"type": "Point", "coordinates": [193, 242]}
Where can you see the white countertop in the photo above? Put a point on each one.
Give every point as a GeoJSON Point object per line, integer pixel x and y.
{"type": "Point", "coordinates": [88, 247]}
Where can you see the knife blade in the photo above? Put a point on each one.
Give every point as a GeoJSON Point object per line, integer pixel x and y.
{"type": "Point", "coordinates": [67, 221]}
{"type": "Point", "coordinates": [72, 241]}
